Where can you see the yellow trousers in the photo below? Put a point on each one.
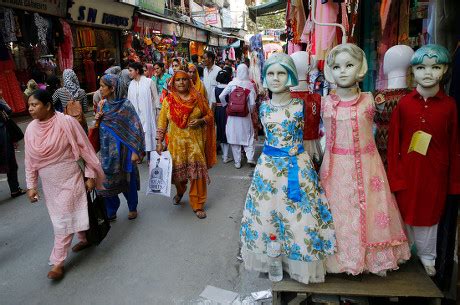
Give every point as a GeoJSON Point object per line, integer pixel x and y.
{"type": "Point", "coordinates": [198, 192]}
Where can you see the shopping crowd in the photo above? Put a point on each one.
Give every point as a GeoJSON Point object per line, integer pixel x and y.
{"type": "Point", "coordinates": [139, 108]}
{"type": "Point", "coordinates": [349, 214]}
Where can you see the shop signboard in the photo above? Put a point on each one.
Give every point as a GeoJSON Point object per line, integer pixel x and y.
{"type": "Point", "coordinates": [157, 6]}
{"type": "Point", "coordinates": [201, 35]}
{"type": "Point", "coordinates": [189, 32]}
{"type": "Point", "coordinates": [102, 12]}
{"type": "Point", "coordinates": [149, 24]}
{"type": "Point", "coordinates": [226, 18]}
{"type": "Point", "coordinates": [211, 16]}
{"type": "Point", "coordinates": [213, 41]}
{"type": "Point", "coordinates": [223, 42]}
{"type": "Point", "coordinates": [50, 7]}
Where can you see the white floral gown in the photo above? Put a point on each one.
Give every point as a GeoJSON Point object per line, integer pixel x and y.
{"type": "Point", "coordinates": [305, 228]}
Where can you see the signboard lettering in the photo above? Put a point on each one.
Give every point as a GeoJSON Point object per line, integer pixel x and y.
{"type": "Point", "coordinates": [51, 7]}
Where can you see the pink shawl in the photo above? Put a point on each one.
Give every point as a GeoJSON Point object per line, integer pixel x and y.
{"type": "Point", "coordinates": [45, 143]}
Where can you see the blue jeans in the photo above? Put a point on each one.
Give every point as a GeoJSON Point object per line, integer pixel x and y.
{"type": "Point", "coordinates": [113, 203]}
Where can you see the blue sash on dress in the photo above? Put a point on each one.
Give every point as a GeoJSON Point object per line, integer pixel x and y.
{"type": "Point", "coordinates": [293, 170]}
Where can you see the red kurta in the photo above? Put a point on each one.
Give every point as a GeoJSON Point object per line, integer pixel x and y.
{"type": "Point", "coordinates": [421, 183]}
{"type": "Point", "coordinates": [312, 116]}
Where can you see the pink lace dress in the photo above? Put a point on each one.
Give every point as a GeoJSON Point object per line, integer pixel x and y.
{"type": "Point", "coordinates": [369, 230]}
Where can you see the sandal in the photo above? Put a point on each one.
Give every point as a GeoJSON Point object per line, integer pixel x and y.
{"type": "Point", "coordinates": [177, 199]}
{"type": "Point", "coordinates": [200, 214]}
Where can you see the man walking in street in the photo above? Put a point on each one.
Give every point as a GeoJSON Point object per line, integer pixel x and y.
{"type": "Point", "coordinates": [209, 76]}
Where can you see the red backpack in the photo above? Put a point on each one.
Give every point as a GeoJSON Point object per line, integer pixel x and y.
{"type": "Point", "coordinates": [238, 104]}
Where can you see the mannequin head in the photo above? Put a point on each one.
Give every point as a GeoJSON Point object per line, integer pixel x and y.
{"type": "Point", "coordinates": [303, 68]}
{"type": "Point", "coordinates": [395, 65]}
{"type": "Point", "coordinates": [345, 66]}
{"type": "Point", "coordinates": [429, 64]}
{"type": "Point", "coordinates": [397, 59]}
{"type": "Point", "coordinates": [279, 73]}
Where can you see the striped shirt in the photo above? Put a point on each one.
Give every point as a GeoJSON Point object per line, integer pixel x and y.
{"type": "Point", "coordinates": [62, 95]}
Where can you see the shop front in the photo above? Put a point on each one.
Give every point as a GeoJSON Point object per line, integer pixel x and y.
{"type": "Point", "coordinates": [97, 27]}
{"type": "Point", "coordinates": [152, 39]}
{"type": "Point", "coordinates": [31, 37]}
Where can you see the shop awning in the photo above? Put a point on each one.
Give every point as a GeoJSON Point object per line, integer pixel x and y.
{"type": "Point", "coordinates": [266, 9]}
{"type": "Point", "coordinates": [157, 17]}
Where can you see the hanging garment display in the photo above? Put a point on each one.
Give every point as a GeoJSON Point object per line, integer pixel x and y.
{"type": "Point", "coordinates": [65, 53]}
{"type": "Point", "coordinates": [7, 25]}
{"type": "Point", "coordinates": [42, 26]}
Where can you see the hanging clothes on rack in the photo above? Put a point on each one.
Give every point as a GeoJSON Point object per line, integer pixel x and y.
{"type": "Point", "coordinates": [8, 82]}
{"type": "Point", "coordinates": [65, 52]}
{"type": "Point", "coordinates": [325, 36]}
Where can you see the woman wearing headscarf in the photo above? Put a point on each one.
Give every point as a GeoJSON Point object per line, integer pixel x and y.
{"type": "Point", "coordinates": [70, 91]}
{"type": "Point", "coordinates": [122, 147]}
{"type": "Point", "coordinates": [53, 144]}
{"type": "Point", "coordinates": [240, 130]}
{"type": "Point", "coordinates": [186, 117]}
{"type": "Point", "coordinates": [197, 83]}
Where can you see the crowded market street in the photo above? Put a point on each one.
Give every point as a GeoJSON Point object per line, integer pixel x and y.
{"type": "Point", "coordinates": [165, 256]}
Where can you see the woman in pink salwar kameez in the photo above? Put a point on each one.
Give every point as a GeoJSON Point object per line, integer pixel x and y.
{"type": "Point", "coordinates": [54, 142]}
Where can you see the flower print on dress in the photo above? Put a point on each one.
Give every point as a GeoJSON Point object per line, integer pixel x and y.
{"type": "Point", "coordinates": [251, 206]}
{"type": "Point", "coordinates": [294, 252]}
{"type": "Point", "coordinates": [324, 213]}
{"type": "Point", "coordinates": [370, 112]}
{"type": "Point", "coordinates": [370, 148]}
{"type": "Point", "coordinates": [282, 226]}
{"type": "Point", "coordinates": [278, 214]}
{"type": "Point", "coordinates": [382, 220]}
{"type": "Point", "coordinates": [377, 184]}
{"type": "Point", "coordinates": [248, 234]}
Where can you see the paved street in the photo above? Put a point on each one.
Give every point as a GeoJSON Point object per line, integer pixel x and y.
{"type": "Point", "coordinates": [166, 256]}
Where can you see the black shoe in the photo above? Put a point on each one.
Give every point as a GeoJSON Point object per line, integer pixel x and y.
{"type": "Point", "coordinates": [112, 218]}
{"type": "Point", "coordinates": [18, 193]}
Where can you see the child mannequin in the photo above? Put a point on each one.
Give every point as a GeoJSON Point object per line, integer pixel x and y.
{"type": "Point", "coordinates": [422, 179]}
{"type": "Point", "coordinates": [369, 230]}
{"type": "Point", "coordinates": [396, 65]}
{"type": "Point", "coordinates": [312, 107]}
{"type": "Point", "coordinates": [285, 197]}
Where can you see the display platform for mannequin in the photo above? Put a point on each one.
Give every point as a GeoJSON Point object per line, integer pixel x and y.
{"type": "Point", "coordinates": [396, 65]}
{"type": "Point", "coordinates": [312, 108]}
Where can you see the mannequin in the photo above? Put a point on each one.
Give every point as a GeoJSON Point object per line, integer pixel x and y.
{"type": "Point", "coordinates": [434, 168]}
{"type": "Point", "coordinates": [285, 197]}
{"type": "Point", "coordinates": [395, 65]}
{"type": "Point", "coordinates": [370, 235]}
{"type": "Point", "coordinates": [312, 107]}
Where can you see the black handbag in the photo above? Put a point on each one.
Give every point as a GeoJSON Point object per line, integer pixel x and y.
{"type": "Point", "coordinates": [15, 133]}
{"type": "Point", "coordinates": [99, 224]}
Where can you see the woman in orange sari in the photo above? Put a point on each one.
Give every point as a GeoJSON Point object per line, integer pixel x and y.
{"type": "Point", "coordinates": [186, 117]}
{"type": "Point", "coordinates": [197, 83]}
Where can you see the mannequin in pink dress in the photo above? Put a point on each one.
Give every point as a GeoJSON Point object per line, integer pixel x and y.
{"type": "Point", "coordinates": [369, 230]}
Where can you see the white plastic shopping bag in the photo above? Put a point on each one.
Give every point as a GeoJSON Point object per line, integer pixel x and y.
{"type": "Point", "coordinates": [160, 173]}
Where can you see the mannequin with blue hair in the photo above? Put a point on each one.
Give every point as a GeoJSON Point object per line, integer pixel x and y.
{"type": "Point", "coordinates": [369, 230]}
{"type": "Point", "coordinates": [422, 178]}
{"type": "Point", "coordinates": [285, 198]}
